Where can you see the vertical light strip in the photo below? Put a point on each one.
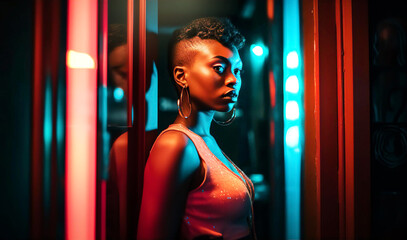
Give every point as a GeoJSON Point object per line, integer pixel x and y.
{"type": "Point", "coordinates": [81, 113]}
{"type": "Point", "coordinates": [47, 151]}
{"type": "Point", "coordinates": [104, 134]}
{"type": "Point", "coordinates": [130, 44]}
{"type": "Point", "coordinates": [294, 113]}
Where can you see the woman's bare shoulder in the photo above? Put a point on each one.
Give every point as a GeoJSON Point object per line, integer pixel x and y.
{"type": "Point", "coordinates": [174, 149]}
{"type": "Point", "coordinates": [172, 140]}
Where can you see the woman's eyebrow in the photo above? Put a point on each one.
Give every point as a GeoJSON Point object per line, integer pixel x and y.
{"type": "Point", "coordinates": [228, 61]}
{"type": "Point", "coordinates": [223, 59]}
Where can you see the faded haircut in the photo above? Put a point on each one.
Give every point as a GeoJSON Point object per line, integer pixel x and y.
{"type": "Point", "coordinates": [184, 40]}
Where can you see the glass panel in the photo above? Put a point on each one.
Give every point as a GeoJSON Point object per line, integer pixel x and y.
{"type": "Point", "coordinates": [118, 69]}
{"type": "Point", "coordinates": [388, 91]}
{"type": "Point", "coordinates": [115, 154]}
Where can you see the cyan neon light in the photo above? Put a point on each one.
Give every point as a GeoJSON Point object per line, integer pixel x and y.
{"type": "Point", "coordinates": [293, 82]}
{"type": "Point", "coordinates": [257, 50]}
{"type": "Point", "coordinates": [152, 101]}
{"type": "Point", "coordinates": [292, 60]}
{"type": "Point", "coordinates": [118, 94]}
{"type": "Point", "coordinates": [292, 111]}
{"type": "Point", "coordinates": [292, 85]}
{"type": "Point", "coordinates": [292, 137]}
{"type": "Point", "coordinates": [47, 155]}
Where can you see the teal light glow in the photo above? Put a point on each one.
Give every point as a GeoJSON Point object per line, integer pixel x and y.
{"type": "Point", "coordinates": [257, 50]}
{"type": "Point", "coordinates": [292, 111]}
{"type": "Point", "coordinates": [293, 122]}
{"type": "Point", "coordinates": [292, 60]}
{"type": "Point", "coordinates": [292, 85]}
{"type": "Point", "coordinates": [47, 154]}
{"type": "Point", "coordinates": [104, 139]}
{"type": "Point", "coordinates": [152, 101]}
{"type": "Point", "coordinates": [118, 94]}
{"type": "Point", "coordinates": [292, 137]}
{"type": "Point", "coordinates": [256, 178]}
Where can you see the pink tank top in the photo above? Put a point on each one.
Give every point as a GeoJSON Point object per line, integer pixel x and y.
{"type": "Point", "coordinates": [222, 205]}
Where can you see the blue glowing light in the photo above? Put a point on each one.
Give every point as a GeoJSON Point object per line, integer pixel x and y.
{"type": "Point", "coordinates": [292, 136]}
{"type": "Point", "coordinates": [292, 85]}
{"type": "Point", "coordinates": [292, 111]}
{"type": "Point", "coordinates": [257, 177]}
{"type": "Point", "coordinates": [292, 59]}
{"type": "Point", "coordinates": [293, 122]}
{"type": "Point", "coordinates": [257, 50]}
{"type": "Point", "coordinates": [118, 94]}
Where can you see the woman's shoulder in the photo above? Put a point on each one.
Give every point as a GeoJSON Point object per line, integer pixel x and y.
{"type": "Point", "coordinates": [175, 140]}
{"type": "Point", "coordinates": [174, 149]}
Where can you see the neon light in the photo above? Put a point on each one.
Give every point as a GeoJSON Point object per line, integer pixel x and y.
{"type": "Point", "coordinates": [272, 86]}
{"type": "Point", "coordinates": [257, 50]}
{"type": "Point", "coordinates": [102, 101]}
{"type": "Point", "coordinates": [270, 9]}
{"type": "Point", "coordinates": [292, 111]}
{"type": "Point", "coordinates": [81, 109]}
{"type": "Point", "coordinates": [79, 60]}
{"type": "Point", "coordinates": [47, 155]}
{"type": "Point", "coordinates": [118, 94]}
{"type": "Point", "coordinates": [292, 85]}
{"type": "Point", "coordinates": [292, 136]}
{"type": "Point", "coordinates": [292, 60]}
{"type": "Point", "coordinates": [257, 177]}
{"type": "Point", "coordinates": [152, 101]}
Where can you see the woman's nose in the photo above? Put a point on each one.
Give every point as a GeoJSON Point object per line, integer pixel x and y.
{"type": "Point", "coordinates": [232, 81]}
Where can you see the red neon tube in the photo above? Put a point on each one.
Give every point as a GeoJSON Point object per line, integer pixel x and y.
{"type": "Point", "coordinates": [81, 119]}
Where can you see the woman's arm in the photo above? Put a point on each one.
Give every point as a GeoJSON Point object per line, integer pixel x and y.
{"type": "Point", "coordinates": [171, 166]}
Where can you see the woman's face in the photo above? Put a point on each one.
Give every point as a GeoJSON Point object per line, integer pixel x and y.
{"type": "Point", "coordinates": [213, 76]}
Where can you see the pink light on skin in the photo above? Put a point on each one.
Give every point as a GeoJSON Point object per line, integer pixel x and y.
{"type": "Point", "coordinates": [81, 119]}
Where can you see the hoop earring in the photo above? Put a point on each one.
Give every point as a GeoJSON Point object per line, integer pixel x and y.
{"type": "Point", "coordinates": [229, 121]}
{"type": "Point", "coordinates": [182, 100]}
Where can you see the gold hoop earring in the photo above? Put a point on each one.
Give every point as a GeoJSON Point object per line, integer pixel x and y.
{"type": "Point", "coordinates": [181, 102]}
{"type": "Point", "coordinates": [229, 121]}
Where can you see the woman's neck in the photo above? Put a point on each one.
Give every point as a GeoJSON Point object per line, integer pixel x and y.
{"type": "Point", "coordinates": [198, 122]}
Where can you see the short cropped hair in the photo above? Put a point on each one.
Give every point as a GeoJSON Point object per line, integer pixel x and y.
{"type": "Point", "coordinates": [117, 36]}
{"type": "Point", "coordinates": [219, 29]}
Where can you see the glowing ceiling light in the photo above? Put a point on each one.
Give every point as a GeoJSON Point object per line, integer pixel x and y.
{"type": "Point", "coordinates": [292, 111]}
{"type": "Point", "coordinates": [292, 136]}
{"type": "Point", "coordinates": [118, 94]}
{"type": "Point", "coordinates": [292, 59]}
{"type": "Point", "coordinates": [80, 60]}
{"type": "Point", "coordinates": [292, 85]}
{"type": "Point", "coordinates": [257, 50]}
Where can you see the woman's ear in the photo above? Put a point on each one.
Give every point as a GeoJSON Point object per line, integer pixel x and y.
{"type": "Point", "coordinates": [180, 75]}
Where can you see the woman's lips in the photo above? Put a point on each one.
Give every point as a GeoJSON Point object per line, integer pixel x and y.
{"type": "Point", "coordinates": [232, 94]}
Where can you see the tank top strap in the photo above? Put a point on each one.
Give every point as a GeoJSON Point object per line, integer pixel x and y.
{"type": "Point", "coordinates": [199, 143]}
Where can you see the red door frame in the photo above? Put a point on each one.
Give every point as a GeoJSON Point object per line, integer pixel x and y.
{"type": "Point", "coordinates": [137, 92]}
{"type": "Point", "coordinates": [336, 198]}
{"type": "Point", "coordinates": [357, 153]}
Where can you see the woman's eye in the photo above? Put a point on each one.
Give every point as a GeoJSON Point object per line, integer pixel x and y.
{"type": "Point", "coordinates": [238, 72]}
{"type": "Point", "coordinates": [219, 69]}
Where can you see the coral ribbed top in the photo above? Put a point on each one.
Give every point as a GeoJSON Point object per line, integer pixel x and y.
{"type": "Point", "coordinates": [222, 205]}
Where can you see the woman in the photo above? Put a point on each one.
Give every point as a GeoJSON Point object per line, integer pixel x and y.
{"type": "Point", "coordinates": [191, 189]}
